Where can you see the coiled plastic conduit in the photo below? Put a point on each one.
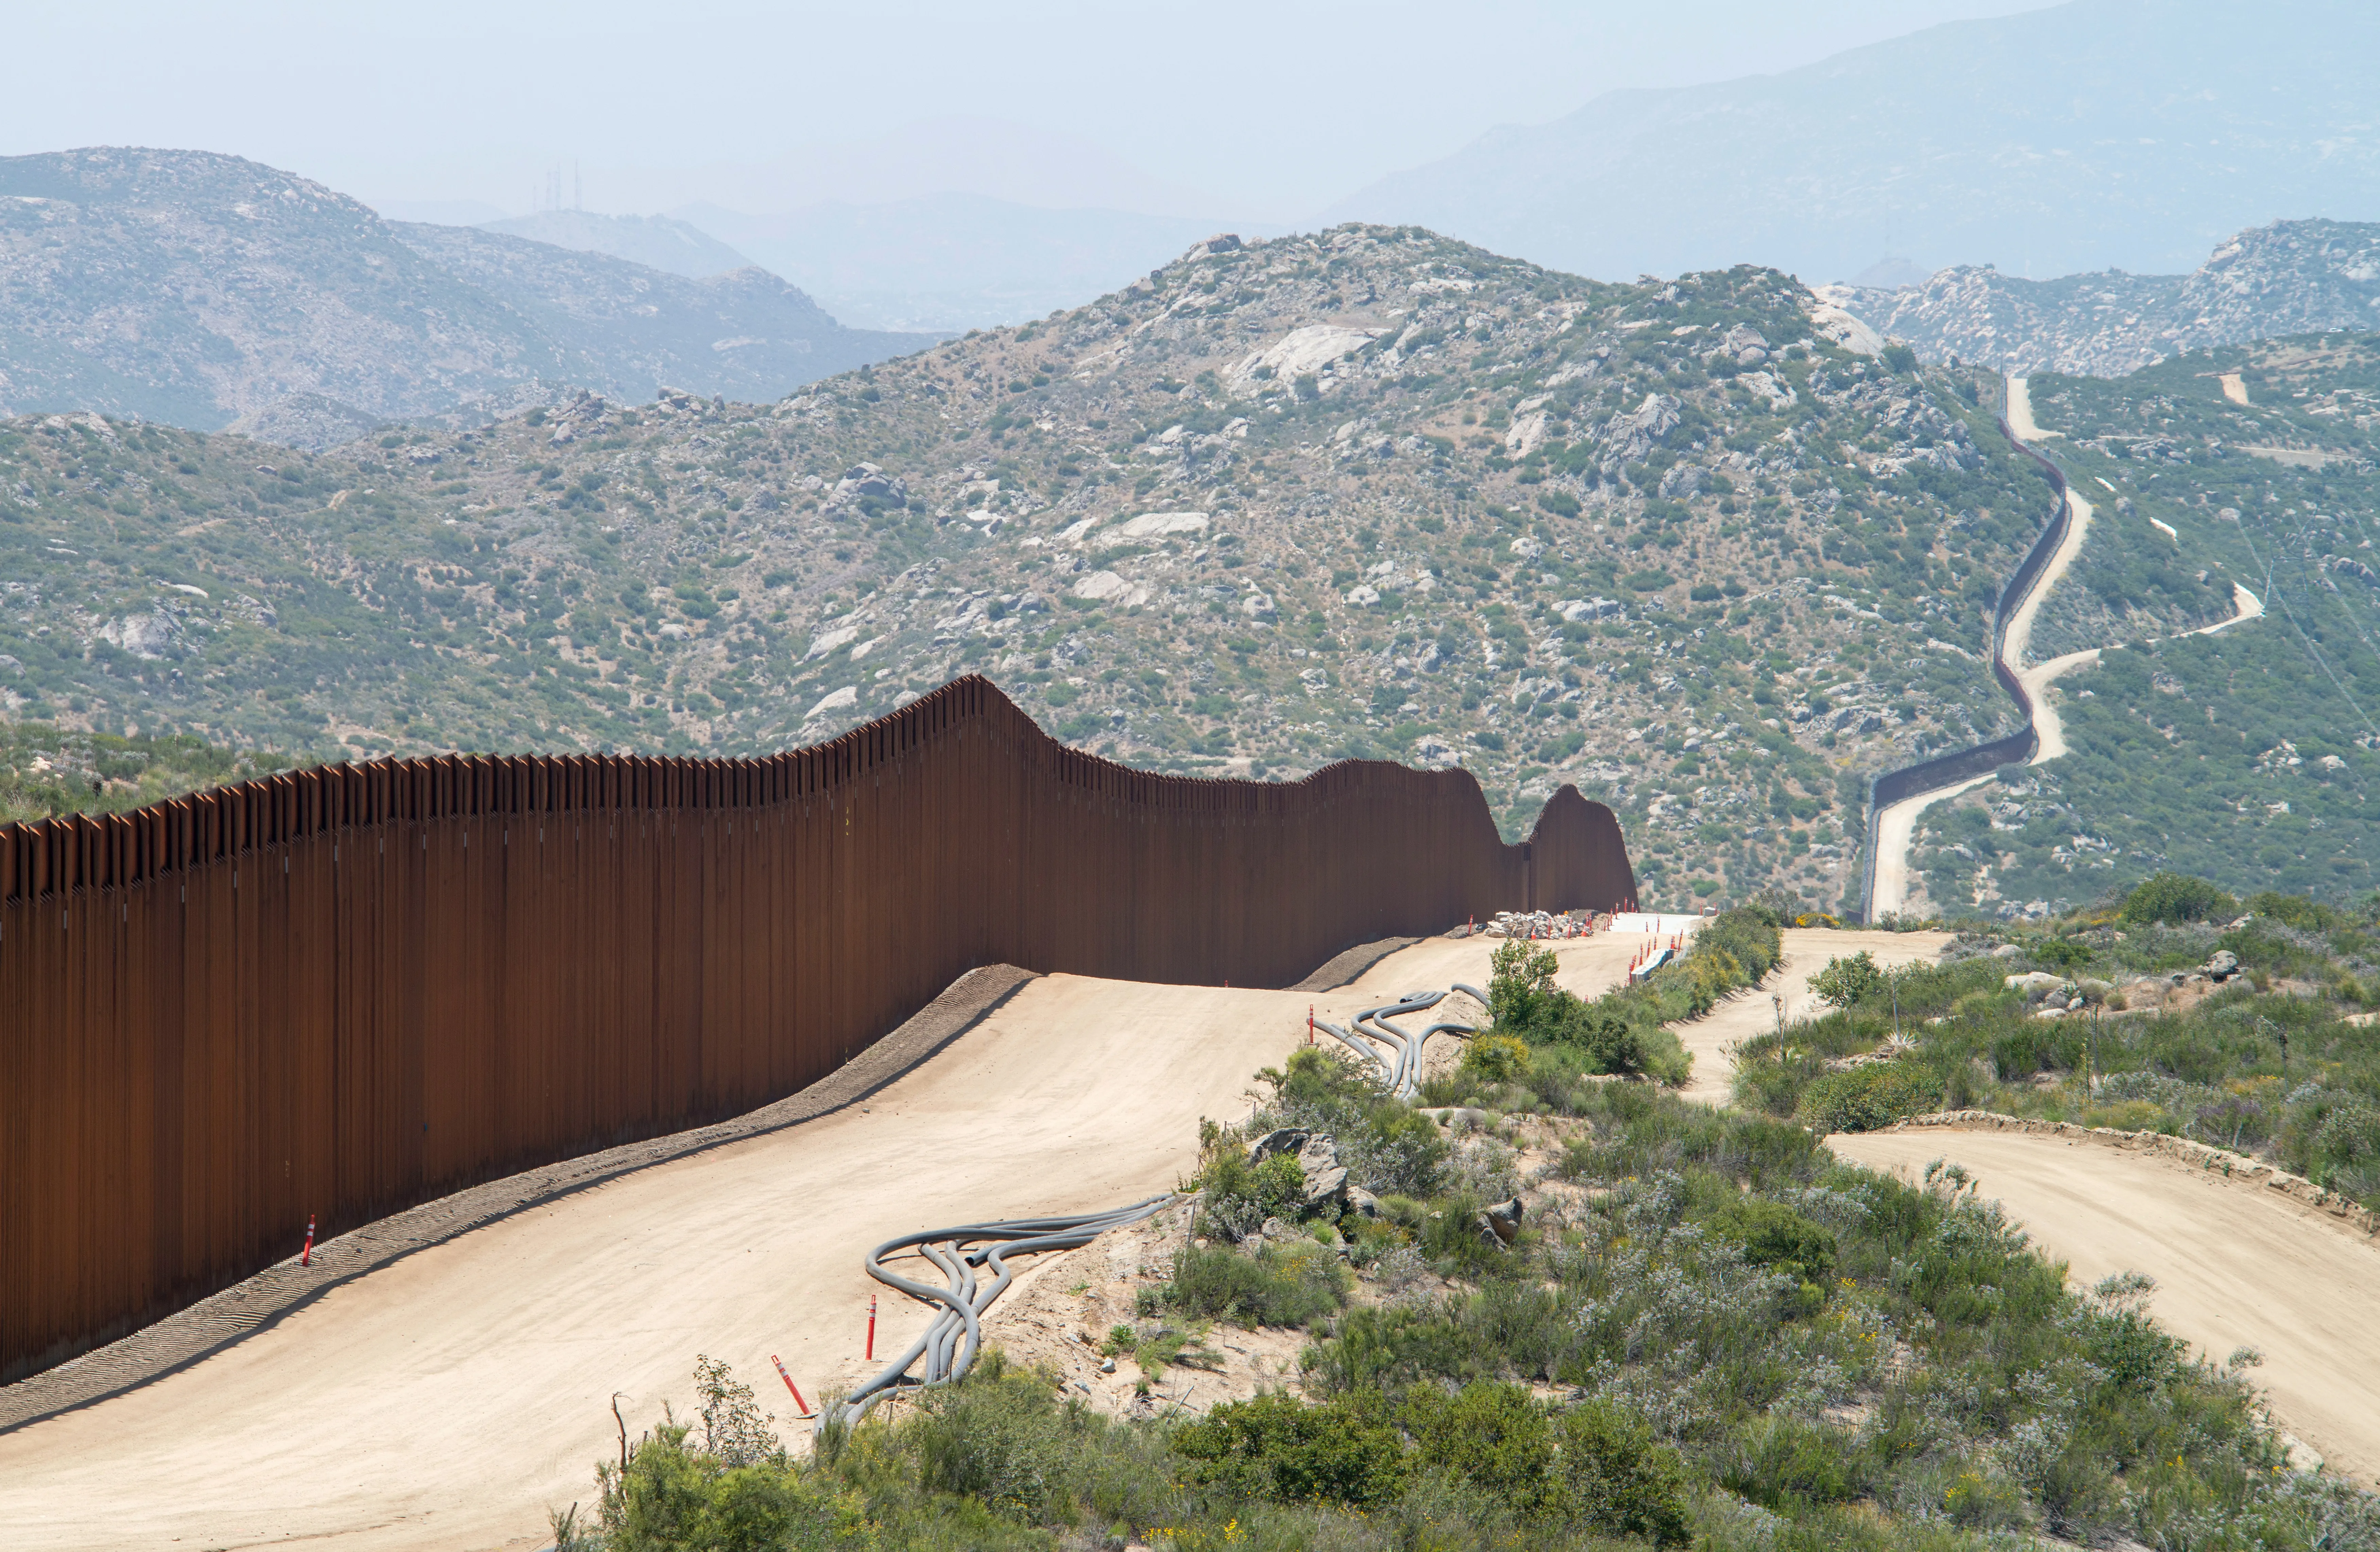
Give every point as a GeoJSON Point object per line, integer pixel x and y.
{"type": "Point", "coordinates": [951, 1343]}
{"type": "Point", "coordinates": [1400, 1063]}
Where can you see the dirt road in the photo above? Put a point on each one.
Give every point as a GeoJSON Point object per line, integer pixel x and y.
{"type": "Point", "coordinates": [1756, 1012]}
{"type": "Point", "coordinates": [446, 1401]}
{"type": "Point", "coordinates": [2236, 1264]}
{"type": "Point", "coordinates": [2020, 411]}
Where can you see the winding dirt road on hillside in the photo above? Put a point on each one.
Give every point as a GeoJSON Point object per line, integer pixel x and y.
{"type": "Point", "coordinates": [1756, 1012]}
{"type": "Point", "coordinates": [447, 1400]}
{"type": "Point", "coordinates": [2236, 1264]}
{"type": "Point", "coordinates": [1896, 824]}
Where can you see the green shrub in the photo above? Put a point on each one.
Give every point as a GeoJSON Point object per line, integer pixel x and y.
{"type": "Point", "coordinates": [2172, 898]}
{"type": "Point", "coordinates": [1866, 1098]}
{"type": "Point", "coordinates": [674, 1499]}
{"type": "Point", "coordinates": [1775, 1235]}
{"type": "Point", "coordinates": [1276, 1447]}
{"type": "Point", "coordinates": [1788, 1463]}
{"type": "Point", "coordinates": [2344, 1151]}
{"type": "Point", "coordinates": [1846, 982]}
{"type": "Point", "coordinates": [1521, 985]}
{"type": "Point", "coordinates": [1292, 1284]}
{"type": "Point", "coordinates": [1385, 1147]}
{"type": "Point", "coordinates": [1001, 1438]}
{"type": "Point", "coordinates": [2296, 910]}
{"type": "Point", "coordinates": [1618, 1480]}
{"type": "Point", "coordinates": [1493, 1438]}
{"type": "Point", "coordinates": [1237, 1196]}
{"type": "Point", "coordinates": [1496, 1058]}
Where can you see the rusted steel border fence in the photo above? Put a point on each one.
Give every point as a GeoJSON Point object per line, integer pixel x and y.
{"type": "Point", "coordinates": [345, 991]}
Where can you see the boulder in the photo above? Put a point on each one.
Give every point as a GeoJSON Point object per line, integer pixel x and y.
{"type": "Point", "coordinates": [1317, 1160]}
{"type": "Point", "coordinates": [1502, 1222]}
{"type": "Point", "coordinates": [2035, 984]}
{"type": "Point", "coordinates": [2007, 951]}
{"type": "Point", "coordinates": [1289, 1139]}
{"type": "Point", "coordinates": [1326, 1178]}
{"type": "Point", "coordinates": [867, 480]}
{"type": "Point", "coordinates": [1362, 1202]}
{"type": "Point", "coordinates": [2223, 965]}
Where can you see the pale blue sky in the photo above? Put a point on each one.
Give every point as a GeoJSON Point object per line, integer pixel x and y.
{"type": "Point", "coordinates": [1263, 111]}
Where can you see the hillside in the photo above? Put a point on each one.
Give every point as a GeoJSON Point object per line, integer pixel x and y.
{"type": "Point", "coordinates": [2062, 140]}
{"type": "Point", "coordinates": [2291, 277]}
{"type": "Point", "coordinates": [206, 291]}
{"type": "Point", "coordinates": [1372, 493]}
{"type": "Point", "coordinates": [655, 241]}
{"type": "Point", "coordinates": [2246, 757]}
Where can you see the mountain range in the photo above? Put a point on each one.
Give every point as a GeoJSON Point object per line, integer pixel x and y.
{"type": "Point", "coordinates": [658, 242]}
{"type": "Point", "coordinates": [2288, 278]}
{"type": "Point", "coordinates": [2132, 133]}
{"type": "Point", "coordinates": [211, 292]}
{"type": "Point", "coordinates": [1368, 492]}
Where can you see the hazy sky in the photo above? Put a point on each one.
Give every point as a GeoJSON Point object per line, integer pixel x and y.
{"type": "Point", "coordinates": [1256, 111]}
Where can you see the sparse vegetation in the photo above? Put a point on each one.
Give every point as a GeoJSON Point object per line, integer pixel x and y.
{"type": "Point", "coordinates": [2273, 1060]}
{"type": "Point", "coordinates": [1707, 1332]}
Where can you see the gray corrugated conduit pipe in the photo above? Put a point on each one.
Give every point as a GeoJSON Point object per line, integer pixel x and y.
{"type": "Point", "coordinates": [1368, 1052]}
{"type": "Point", "coordinates": [1389, 1035]}
{"type": "Point", "coordinates": [1413, 1078]}
{"type": "Point", "coordinates": [1404, 1075]}
{"type": "Point", "coordinates": [1400, 1063]}
{"type": "Point", "coordinates": [951, 1343]}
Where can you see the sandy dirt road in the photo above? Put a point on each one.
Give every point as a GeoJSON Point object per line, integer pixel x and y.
{"type": "Point", "coordinates": [2020, 411]}
{"type": "Point", "coordinates": [2236, 1264]}
{"type": "Point", "coordinates": [1897, 824]}
{"type": "Point", "coordinates": [1755, 1012]}
{"type": "Point", "coordinates": [1896, 827]}
{"type": "Point", "coordinates": [447, 1400]}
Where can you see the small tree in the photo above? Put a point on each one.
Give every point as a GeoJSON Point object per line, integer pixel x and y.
{"type": "Point", "coordinates": [1521, 989]}
{"type": "Point", "coordinates": [1846, 982]}
{"type": "Point", "coordinates": [2177, 897]}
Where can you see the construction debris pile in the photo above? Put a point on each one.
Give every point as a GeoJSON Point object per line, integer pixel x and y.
{"type": "Point", "coordinates": [1540, 923]}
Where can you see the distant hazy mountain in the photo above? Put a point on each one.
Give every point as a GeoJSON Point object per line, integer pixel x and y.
{"type": "Point", "coordinates": [655, 241]}
{"type": "Point", "coordinates": [633, 330]}
{"type": "Point", "coordinates": [953, 262]}
{"type": "Point", "coordinates": [2135, 133]}
{"type": "Point", "coordinates": [1000, 159]}
{"type": "Point", "coordinates": [2292, 277]}
{"type": "Point", "coordinates": [204, 290]}
{"type": "Point", "coordinates": [443, 212]}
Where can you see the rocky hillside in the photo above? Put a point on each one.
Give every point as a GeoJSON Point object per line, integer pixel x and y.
{"type": "Point", "coordinates": [209, 292]}
{"type": "Point", "coordinates": [2289, 278]}
{"type": "Point", "coordinates": [1371, 493]}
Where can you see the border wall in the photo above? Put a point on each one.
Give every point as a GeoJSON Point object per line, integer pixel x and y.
{"type": "Point", "coordinates": [1977, 759]}
{"type": "Point", "coordinates": [347, 990]}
